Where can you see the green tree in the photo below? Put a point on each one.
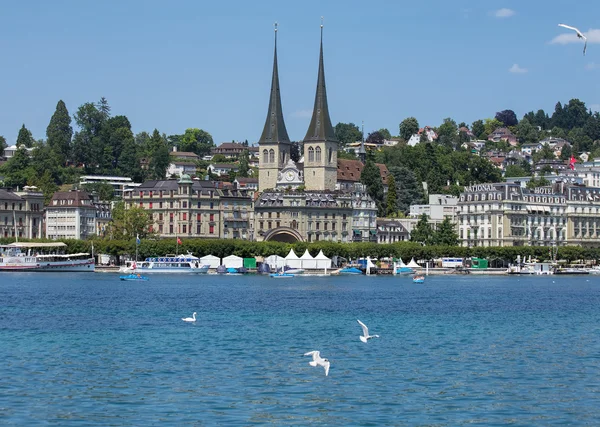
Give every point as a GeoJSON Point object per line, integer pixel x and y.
{"type": "Point", "coordinates": [448, 133]}
{"type": "Point", "coordinates": [408, 190]}
{"type": "Point", "coordinates": [346, 155]}
{"type": "Point", "coordinates": [244, 167]}
{"type": "Point", "coordinates": [490, 125]}
{"type": "Point", "coordinates": [375, 138]}
{"type": "Point", "coordinates": [88, 146]}
{"type": "Point", "coordinates": [385, 133]}
{"type": "Point", "coordinates": [3, 144]}
{"type": "Point", "coordinates": [127, 223]}
{"type": "Point", "coordinates": [59, 132]}
{"type": "Point", "coordinates": [408, 128]}
{"type": "Point", "coordinates": [507, 117]}
{"type": "Point", "coordinates": [103, 190]}
{"type": "Point", "coordinates": [219, 158]}
{"type": "Point", "coordinates": [392, 198]}
{"type": "Point", "coordinates": [526, 132]}
{"type": "Point", "coordinates": [25, 139]}
{"type": "Point", "coordinates": [347, 133]}
{"type": "Point", "coordinates": [514, 171]}
{"type": "Point", "coordinates": [446, 234]}
{"type": "Point", "coordinates": [17, 170]}
{"type": "Point", "coordinates": [422, 233]}
{"type": "Point", "coordinates": [371, 178]}
{"type": "Point", "coordinates": [478, 129]}
{"type": "Point", "coordinates": [196, 141]}
{"type": "Point", "coordinates": [128, 161]}
{"type": "Point", "coordinates": [159, 156]}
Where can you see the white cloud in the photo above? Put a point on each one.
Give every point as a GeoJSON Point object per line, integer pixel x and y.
{"type": "Point", "coordinates": [517, 69]}
{"type": "Point", "coordinates": [504, 13]}
{"type": "Point", "coordinates": [302, 114]}
{"type": "Point", "coordinates": [593, 36]}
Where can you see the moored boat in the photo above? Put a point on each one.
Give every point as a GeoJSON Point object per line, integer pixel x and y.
{"type": "Point", "coordinates": [418, 278]}
{"type": "Point", "coordinates": [31, 256]}
{"type": "Point", "coordinates": [170, 264]}
{"type": "Point", "coordinates": [134, 277]}
{"type": "Point", "coordinates": [281, 275]}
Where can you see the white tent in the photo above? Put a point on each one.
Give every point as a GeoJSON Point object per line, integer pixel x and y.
{"type": "Point", "coordinates": [413, 264]}
{"type": "Point", "coordinates": [292, 260]}
{"type": "Point", "coordinates": [233, 261]}
{"type": "Point", "coordinates": [401, 263]}
{"type": "Point", "coordinates": [307, 261]}
{"type": "Point", "coordinates": [276, 262]}
{"type": "Point", "coordinates": [213, 261]}
{"type": "Point", "coordinates": [322, 261]}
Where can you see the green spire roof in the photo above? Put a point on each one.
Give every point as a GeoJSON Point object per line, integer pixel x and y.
{"type": "Point", "coordinates": [320, 128]}
{"type": "Point", "coordinates": [274, 130]}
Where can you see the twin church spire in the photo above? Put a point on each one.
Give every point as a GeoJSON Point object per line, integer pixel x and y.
{"type": "Point", "coordinates": [320, 144]}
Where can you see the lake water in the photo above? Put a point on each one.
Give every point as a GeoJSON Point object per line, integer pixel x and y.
{"type": "Point", "coordinates": [88, 349]}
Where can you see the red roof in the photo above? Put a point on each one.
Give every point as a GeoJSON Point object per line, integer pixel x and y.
{"type": "Point", "coordinates": [350, 170]}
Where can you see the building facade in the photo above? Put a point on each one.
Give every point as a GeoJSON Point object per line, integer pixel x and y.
{"type": "Point", "coordinates": [21, 213]}
{"type": "Point", "coordinates": [71, 215]}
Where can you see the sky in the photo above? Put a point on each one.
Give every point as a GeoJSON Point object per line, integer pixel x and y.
{"type": "Point", "coordinates": [179, 64]}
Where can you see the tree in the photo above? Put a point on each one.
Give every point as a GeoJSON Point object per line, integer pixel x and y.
{"type": "Point", "coordinates": [385, 133]}
{"type": "Point", "coordinates": [371, 178]}
{"type": "Point", "coordinates": [375, 138]}
{"type": "Point", "coordinates": [446, 234]}
{"type": "Point", "coordinates": [347, 133]}
{"type": "Point", "coordinates": [88, 147]}
{"type": "Point", "coordinates": [507, 117]}
{"type": "Point", "coordinates": [422, 233]}
{"type": "Point", "coordinates": [3, 145]}
{"type": "Point", "coordinates": [490, 125]}
{"type": "Point", "coordinates": [408, 189]}
{"type": "Point", "coordinates": [244, 164]}
{"type": "Point", "coordinates": [159, 156]}
{"type": "Point", "coordinates": [59, 132]}
{"type": "Point", "coordinates": [219, 158]}
{"type": "Point", "coordinates": [128, 162]}
{"type": "Point", "coordinates": [197, 141]}
{"type": "Point", "coordinates": [25, 139]}
{"type": "Point", "coordinates": [448, 133]}
{"type": "Point", "coordinates": [347, 155]}
{"type": "Point", "coordinates": [392, 198]}
{"type": "Point", "coordinates": [104, 108]}
{"type": "Point", "coordinates": [408, 128]}
{"type": "Point", "coordinates": [127, 223]}
{"type": "Point", "coordinates": [514, 171]}
{"type": "Point", "coordinates": [478, 129]}
{"type": "Point", "coordinates": [526, 132]}
{"type": "Point", "coordinates": [296, 151]}
{"type": "Point", "coordinates": [103, 190]}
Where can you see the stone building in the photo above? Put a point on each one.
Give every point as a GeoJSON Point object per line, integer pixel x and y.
{"type": "Point", "coordinates": [71, 215]}
{"type": "Point", "coordinates": [21, 213]}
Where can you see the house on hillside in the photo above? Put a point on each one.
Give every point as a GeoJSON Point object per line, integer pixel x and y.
{"type": "Point", "coordinates": [349, 171]}
{"type": "Point", "coordinates": [221, 169]}
{"type": "Point", "coordinates": [184, 155]}
{"type": "Point", "coordinates": [503, 134]}
{"type": "Point", "coordinates": [179, 168]}
{"type": "Point", "coordinates": [416, 138]}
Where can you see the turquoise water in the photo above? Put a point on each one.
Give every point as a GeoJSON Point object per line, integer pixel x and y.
{"type": "Point", "coordinates": [88, 349]}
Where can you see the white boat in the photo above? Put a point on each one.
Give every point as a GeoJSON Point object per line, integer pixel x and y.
{"type": "Point", "coordinates": [31, 256]}
{"type": "Point", "coordinates": [294, 271]}
{"type": "Point", "coordinates": [169, 264]}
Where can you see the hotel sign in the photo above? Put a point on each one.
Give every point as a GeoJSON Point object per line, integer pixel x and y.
{"type": "Point", "coordinates": [479, 187]}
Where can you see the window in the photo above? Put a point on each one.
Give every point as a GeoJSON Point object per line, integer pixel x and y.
{"type": "Point", "coordinates": [269, 224]}
{"type": "Point", "coordinates": [197, 228]}
{"type": "Point", "coordinates": [318, 154]}
{"type": "Point", "coordinates": [330, 156]}
{"type": "Point", "coordinates": [278, 224]}
{"type": "Point", "coordinates": [325, 226]}
{"type": "Point", "coordinates": [211, 229]}
{"type": "Point", "coordinates": [160, 216]}
{"type": "Point", "coordinates": [171, 205]}
{"type": "Point", "coordinates": [265, 156]}
{"type": "Point", "coordinates": [311, 154]}
{"type": "Point", "coordinates": [160, 205]}
{"type": "Point", "coordinates": [150, 205]}
{"type": "Point", "coordinates": [212, 217]}
{"type": "Point", "coordinates": [212, 205]}
{"type": "Point", "coordinates": [199, 205]}
{"type": "Point", "coordinates": [261, 225]}
{"type": "Point", "coordinates": [184, 229]}
{"type": "Point", "coordinates": [184, 203]}
{"type": "Point", "coordinates": [318, 225]}
{"type": "Point", "coordinates": [271, 156]}
{"type": "Point", "coordinates": [171, 217]}
{"type": "Point", "coordinates": [198, 217]}
{"type": "Point", "coordinates": [185, 217]}
{"type": "Point", "coordinates": [170, 228]}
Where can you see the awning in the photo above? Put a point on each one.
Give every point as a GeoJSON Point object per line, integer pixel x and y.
{"type": "Point", "coordinates": [357, 232]}
{"type": "Point", "coordinates": [373, 231]}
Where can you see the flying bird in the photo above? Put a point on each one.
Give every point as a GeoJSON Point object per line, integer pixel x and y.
{"type": "Point", "coordinates": [318, 360]}
{"type": "Point", "coordinates": [365, 336]}
{"type": "Point", "coordinates": [190, 319]}
{"type": "Point", "coordinates": [579, 34]}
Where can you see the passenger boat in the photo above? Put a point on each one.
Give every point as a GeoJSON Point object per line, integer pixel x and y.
{"type": "Point", "coordinates": [170, 264]}
{"type": "Point", "coordinates": [281, 275]}
{"type": "Point", "coordinates": [134, 278]}
{"type": "Point", "coordinates": [31, 256]}
{"type": "Point", "coordinates": [418, 278]}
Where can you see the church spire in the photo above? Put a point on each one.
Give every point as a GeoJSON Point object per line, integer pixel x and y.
{"type": "Point", "coordinates": [320, 128]}
{"type": "Point", "coordinates": [274, 130]}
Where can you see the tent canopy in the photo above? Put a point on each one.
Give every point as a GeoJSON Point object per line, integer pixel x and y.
{"type": "Point", "coordinates": [292, 255]}
{"type": "Point", "coordinates": [275, 261]}
{"type": "Point", "coordinates": [213, 261]}
{"type": "Point", "coordinates": [413, 264]}
{"type": "Point", "coordinates": [322, 261]}
{"type": "Point", "coordinates": [233, 261]}
{"type": "Point", "coordinates": [307, 260]}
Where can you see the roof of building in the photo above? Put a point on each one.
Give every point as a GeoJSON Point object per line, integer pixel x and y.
{"type": "Point", "coordinates": [350, 170]}
{"type": "Point", "coordinates": [383, 170]}
{"type": "Point", "coordinates": [224, 165]}
{"type": "Point", "coordinates": [320, 128]}
{"type": "Point", "coordinates": [274, 130]}
{"type": "Point", "coordinates": [230, 146]}
{"type": "Point", "coordinates": [78, 197]}
{"type": "Point", "coordinates": [184, 154]}
{"type": "Point", "coordinates": [8, 195]}
{"type": "Point", "coordinates": [249, 180]}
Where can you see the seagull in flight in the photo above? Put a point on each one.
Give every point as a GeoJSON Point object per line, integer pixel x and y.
{"type": "Point", "coordinates": [579, 34]}
{"type": "Point", "coordinates": [365, 336]}
{"type": "Point", "coordinates": [318, 360]}
{"type": "Point", "coordinates": [190, 319]}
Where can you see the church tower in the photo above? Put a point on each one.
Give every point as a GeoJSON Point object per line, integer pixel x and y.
{"type": "Point", "coordinates": [274, 144]}
{"type": "Point", "coordinates": [320, 144]}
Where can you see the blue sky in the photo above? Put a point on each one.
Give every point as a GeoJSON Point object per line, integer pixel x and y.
{"type": "Point", "coordinates": [179, 64]}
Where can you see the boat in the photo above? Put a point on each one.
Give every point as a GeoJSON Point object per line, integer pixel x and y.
{"type": "Point", "coordinates": [294, 270]}
{"type": "Point", "coordinates": [281, 275]}
{"type": "Point", "coordinates": [404, 269]}
{"type": "Point", "coordinates": [134, 277]}
{"type": "Point", "coordinates": [527, 268]}
{"type": "Point", "coordinates": [169, 264]}
{"type": "Point", "coordinates": [348, 271]}
{"type": "Point", "coordinates": [418, 278]}
{"type": "Point", "coordinates": [31, 256]}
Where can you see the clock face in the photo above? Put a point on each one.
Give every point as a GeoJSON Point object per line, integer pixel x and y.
{"type": "Point", "coordinates": [289, 175]}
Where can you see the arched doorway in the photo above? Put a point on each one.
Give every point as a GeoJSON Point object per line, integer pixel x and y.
{"type": "Point", "coordinates": [283, 234]}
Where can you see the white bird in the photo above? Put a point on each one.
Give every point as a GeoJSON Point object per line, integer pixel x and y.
{"type": "Point", "coordinates": [579, 34]}
{"type": "Point", "coordinates": [190, 319]}
{"type": "Point", "coordinates": [365, 336]}
{"type": "Point", "coordinates": [318, 360]}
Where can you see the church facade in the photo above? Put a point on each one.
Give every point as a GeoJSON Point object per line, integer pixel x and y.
{"type": "Point", "coordinates": [299, 201]}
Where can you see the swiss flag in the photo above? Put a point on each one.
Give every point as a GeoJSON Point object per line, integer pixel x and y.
{"type": "Point", "coordinates": [572, 162]}
{"type": "Point", "coordinates": [178, 241]}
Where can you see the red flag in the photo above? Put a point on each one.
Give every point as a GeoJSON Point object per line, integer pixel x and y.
{"type": "Point", "coordinates": [572, 162]}
{"type": "Point", "coordinates": [178, 241]}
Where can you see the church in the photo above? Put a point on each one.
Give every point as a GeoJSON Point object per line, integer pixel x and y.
{"type": "Point", "coordinates": [299, 201]}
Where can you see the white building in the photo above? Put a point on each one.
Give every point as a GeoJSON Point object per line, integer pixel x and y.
{"type": "Point", "coordinates": [71, 215]}
{"type": "Point", "coordinates": [180, 168]}
{"type": "Point", "coordinates": [440, 206]}
{"type": "Point", "coordinates": [119, 183]}
{"type": "Point", "coordinates": [11, 150]}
